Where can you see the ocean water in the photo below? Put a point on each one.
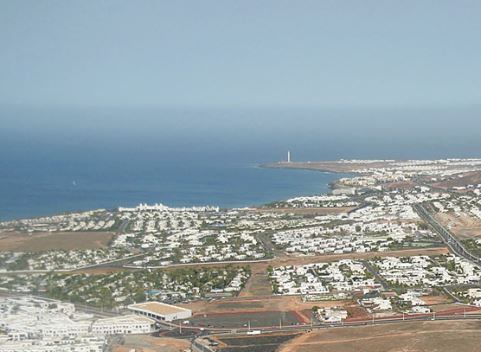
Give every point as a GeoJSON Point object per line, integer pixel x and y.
{"type": "Point", "coordinates": [66, 159]}
{"type": "Point", "coordinates": [49, 190]}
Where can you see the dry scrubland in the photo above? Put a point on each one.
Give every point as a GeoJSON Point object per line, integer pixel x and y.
{"type": "Point", "coordinates": [151, 344]}
{"type": "Point", "coordinates": [462, 226]}
{"type": "Point", "coordinates": [44, 241]}
{"type": "Point", "coordinates": [412, 337]}
{"type": "Point", "coordinates": [244, 305]}
{"type": "Point", "coordinates": [470, 178]}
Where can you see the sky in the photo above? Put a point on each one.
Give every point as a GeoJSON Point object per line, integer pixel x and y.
{"type": "Point", "coordinates": [118, 92]}
{"type": "Point", "coordinates": [316, 54]}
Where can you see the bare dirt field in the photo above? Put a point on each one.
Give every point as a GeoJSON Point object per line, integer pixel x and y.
{"type": "Point", "coordinates": [263, 311]}
{"type": "Point", "coordinates": [36, 242]}
{"type": "Point", "coordinates": [445, 307]}
{"type": "Point", "coordinates": [258, 284]}
{"type": "Point", "coordinates": [256, 304]}
{"type": "Point", "coordinates": [435, 300]}
{"type": "Point", "coordinates": [355, 311]}
{"type": "Point", "coordinates": [462, 226]}
{"type": "Point", "coordinates": [143, 343]}
{"type": "Point", "coordinates": [469, 178]}
{"type": "Point", "coordinates": [430, 336]}
{"type": "Point", "coordinates": [251, 304]}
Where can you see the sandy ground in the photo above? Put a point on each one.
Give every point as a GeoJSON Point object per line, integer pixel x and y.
{"type": "Point", "coordinates": [446, 307]}
{"type": "Point", "coordinates": [469, 178]}
{"type": "Point", "coordinates": [255, 304]}
{"type": "Point", "coordinates": [462, 226]}
{"type": "Point", "coordinates": [142, 343]}
{"type": "Point", "coordinates": [258, 284]}
{"type": "Point", "coordinates": [12, 241]}
{"type": "Point", "coordinates": [434, 300]}
{"type": "Point", "coordinates": [403, 337]}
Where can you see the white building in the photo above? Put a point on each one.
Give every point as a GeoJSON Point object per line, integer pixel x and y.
{"type": "Point", "coordinates": [344, 191]}
{"type": "Point", "coordinates": [160, 311]}
{"type": "Point", "coordinates": [127, 324]}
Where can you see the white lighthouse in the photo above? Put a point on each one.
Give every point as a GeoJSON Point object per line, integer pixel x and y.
{"type": "Point", "coordinates": [288, 156]}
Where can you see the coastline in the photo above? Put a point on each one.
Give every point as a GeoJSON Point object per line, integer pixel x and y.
{"type": "Point", "coordinates": [338, 166]}
{"type": "Point", "coordinates": [239, 187]}
{"type": "Point", "coordinates": [331, 167]}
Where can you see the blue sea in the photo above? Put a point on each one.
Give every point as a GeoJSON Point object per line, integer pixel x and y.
{"type": "Point", "coordinates": [66, 159]}
{"type": "Point", "coordinates": [68, 187]}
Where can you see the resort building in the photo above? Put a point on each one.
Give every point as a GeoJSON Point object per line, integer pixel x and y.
{"type": "Point", "coordinates": [160, 311]}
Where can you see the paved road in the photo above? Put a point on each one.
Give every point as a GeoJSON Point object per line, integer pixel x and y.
{"type": "Point", "coordinates": [379, 278]}
{"type": "Point", "coordinates": [381, 321]}
{"type": "Point", "coordinates": [123, 226]}
{"type": "Point", "coordinates": [463, 312]}
{"type": "Point", "coordinates": [452, 242]}
{"type": "Point", "coordinates": [116, 263]}
{"type": "Point", "coordinates": [265, 239]}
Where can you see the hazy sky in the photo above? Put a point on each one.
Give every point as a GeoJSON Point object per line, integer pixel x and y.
{"type": "Point", "coordinates": [240, 53]}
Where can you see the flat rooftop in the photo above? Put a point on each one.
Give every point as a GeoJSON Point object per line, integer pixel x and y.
{"type": "Point", "coordinates": [132, 318]}
{"type": "Point", "coordinates": [158, 308]}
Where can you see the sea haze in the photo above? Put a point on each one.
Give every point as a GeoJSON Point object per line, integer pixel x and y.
{"type": "Point", "coordinates": [55, 160]}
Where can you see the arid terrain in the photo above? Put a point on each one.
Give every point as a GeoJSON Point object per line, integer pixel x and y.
{"type": "Point", "coordinates": [43, 241]}
{"type": "Point", "coordinates": [413, 337]}
{"type": "Point", "coordinates": [462, 226]}
{"type": "Point", "coordinates": [150, 344]}
{"type": "Point", "coordinates": [470, 178]}
{"type": "Point", "coordinates": [254, 304]}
